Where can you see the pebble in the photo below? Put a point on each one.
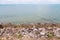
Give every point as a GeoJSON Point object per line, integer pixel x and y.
{"type": "Point", "coordinates": [32, 32]}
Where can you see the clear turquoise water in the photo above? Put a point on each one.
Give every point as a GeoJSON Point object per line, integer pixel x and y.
{"type": "Point", "coordinates": [26, 13]}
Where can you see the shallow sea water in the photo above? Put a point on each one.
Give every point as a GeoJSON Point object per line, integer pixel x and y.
{"type": "Point", "coordinates": [27, 13]}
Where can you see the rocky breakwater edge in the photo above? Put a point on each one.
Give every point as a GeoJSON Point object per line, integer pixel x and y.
{"type": "Point", "coordinates": [37, 31]}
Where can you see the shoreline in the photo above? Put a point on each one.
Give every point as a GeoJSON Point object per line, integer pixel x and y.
{"type": "Point", "coordinates": [37, 25]}
{"type": "Point", "coordinates": [32, 31]}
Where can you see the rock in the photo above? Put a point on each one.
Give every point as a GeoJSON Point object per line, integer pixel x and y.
{"type": "Point", "coordinates": [8, 32]}
{"type": "Point", "coordinates": [1, 26]}
{"type": "Point", "coordinates": [31, 34]}
{"type": "Point", "coordinates": [56, 32]}
{"type": "Point", "coordinates": [2, 31]}
{"type": "Point", "coordinates": [29, 30]}
{"type": "Point", "coordinates": [42, 32]}
{"type": "Point", "coordinates": [42, 38]}
{"type": "Point", "coordinates": [26, 37]}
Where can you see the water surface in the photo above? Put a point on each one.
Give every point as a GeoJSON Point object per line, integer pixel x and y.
{"type": "Point", "coordinates": [22, 13]}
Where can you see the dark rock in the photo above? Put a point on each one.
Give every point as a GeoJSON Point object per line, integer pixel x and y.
{"type": "Point", "coordinates": [1, 26]}
{"type": "Point", "coordinates": [29, 30]}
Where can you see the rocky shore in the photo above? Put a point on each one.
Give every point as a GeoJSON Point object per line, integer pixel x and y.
{"type": "Point", "coordinates": [33, 31]}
